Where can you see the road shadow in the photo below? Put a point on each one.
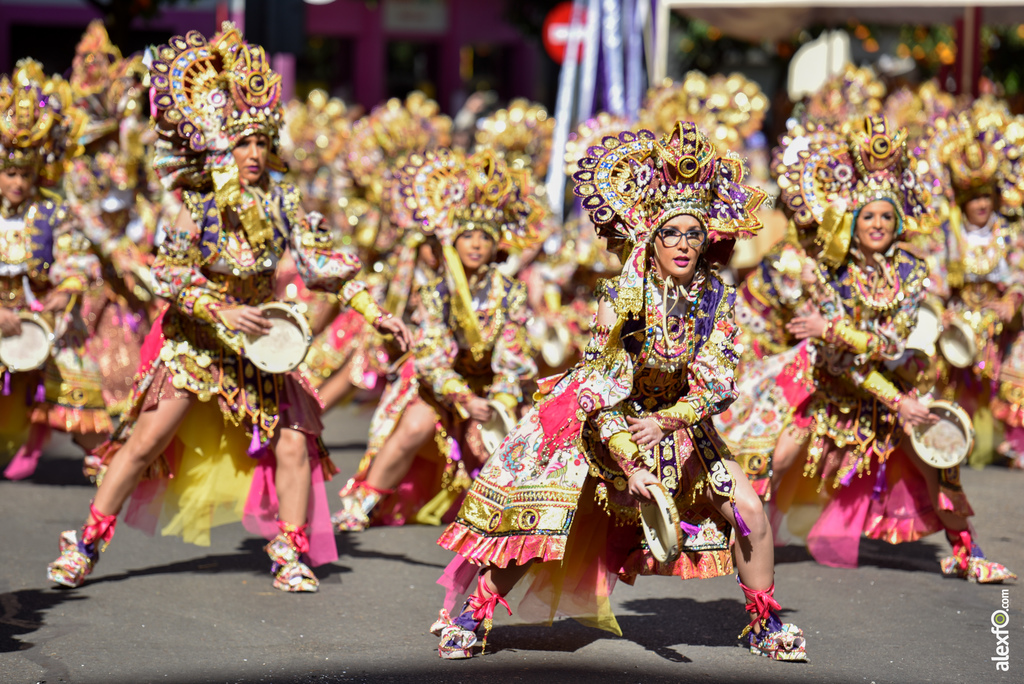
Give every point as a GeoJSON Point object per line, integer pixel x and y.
{"type": "Point", "coordinates": [57, 470]}
{"type": "Point", "coordinates": [660, 626]}
{"type": "Point", "coordinates": [349, 546]}
{"type": "Point", "coordinates": [251, 558]}
{"type": "Point", "coordinates": [917, 556]}
{"type": "Point", "coordinates": [21, 612]}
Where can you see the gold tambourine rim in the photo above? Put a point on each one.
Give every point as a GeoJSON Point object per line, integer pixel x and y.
{"type": "Point", "coordinates": [662, 502]}
{"type": "Point", "coordinates": [968, 333]}
{"type": "Point", "coordinates": [295, 316]}
{"type": "Point", "coordinates": [966, 421]}
{"type": "Point", "coordinates": [36, 318]}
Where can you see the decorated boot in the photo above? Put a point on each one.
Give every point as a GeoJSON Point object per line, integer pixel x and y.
{"type": "Point", "coordinates": [286, 550]}
{"type": "Point", "coordinates": [357, 506]}
{"type": "Point", "coordinates": [458, 636]}
{"type": "Point", "coordinates": [968, 561]}
{"type": "Point", "coordinates": [775, 639]}
{"type": "Point", "coordinates": [79, 556]}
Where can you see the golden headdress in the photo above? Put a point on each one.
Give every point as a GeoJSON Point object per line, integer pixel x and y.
{"type": "Point", "coordinates": [855, 93]}
{"type": "Point", "coordinates": [522, 133]}
{"type": "Point", "coordinates": [206, 96]}
{"type": "Point", "coordinates": [589, 133]}
{"type": "Point", "coordinates": [447, 193]}
{"type": "Point", "coordinates": [95, 57]}
{"type": "Point", "coordinates": [728, 108]}
{"type": "Point", "coordinates": [315, 131]}
{"type": "Point", "coordinates": [631, 184]}
{"type": "Point", "coordinates": [827, 174]}
{"type": "Point", "coordinates": [39, 127]}
{"type": "Point", "coordinates": [974, 153]}
{"type": "Point", "coordinates": [917, 108]}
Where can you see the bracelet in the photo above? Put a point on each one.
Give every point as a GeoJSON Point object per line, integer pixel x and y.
{"type": "Point", "coordinates": [381, 317]}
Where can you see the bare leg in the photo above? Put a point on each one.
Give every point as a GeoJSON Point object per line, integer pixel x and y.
{"type": "Point", "coordinates": [152, 434]}
{"type": "Point", "coordinates": [501, 580]}
{"type": "Point", "coordinates": [949, 519]}
{"type": "Point", "coordinates": [293, 475]}
{"type": "Point", "coordinates": [90, 440]}
{"type": "Point", "coordinates": [787, 450]}
{"type": "Point", "coordinates": [336, 386]}
{"type": "Point", "coordinates": [755, 557]}
{"type": "Point", "coordinates": [415, 428]}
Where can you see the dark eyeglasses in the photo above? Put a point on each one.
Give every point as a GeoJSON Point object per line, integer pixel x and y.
{"type": "Point", "coordinates": [670, 237]}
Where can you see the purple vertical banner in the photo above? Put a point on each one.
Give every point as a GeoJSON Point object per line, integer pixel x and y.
{"type": "Point", "coordinates": [588, 69]}
{"type": "Point", "coordinates": [611, 48]}
{"type": "Point", "coordinates": [636, 12]}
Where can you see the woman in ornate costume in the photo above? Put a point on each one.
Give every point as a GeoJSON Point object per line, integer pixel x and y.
{"type": "Point", "coordinates": [978, 272]}
{"type": "Point", "coordinates": [45, 267]}
{"type": "Point", "coordinates": [198, 400]}
{"type": "Point", "coordinates": [564, 488]}
{"type": "Point", "coordinates": [833, 399]}
{"type": "Point", "coordinates": [471, 356]}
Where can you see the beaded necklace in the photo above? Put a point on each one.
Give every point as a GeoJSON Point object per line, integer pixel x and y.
{"type": "Point", "coordinates": [982, 259]}
{"type": "Point", "coordinates": [879, 289]}
{"type": "Point", "coordinates": [677, 343]}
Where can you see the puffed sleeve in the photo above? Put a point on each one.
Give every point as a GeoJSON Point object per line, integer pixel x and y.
{"type": "Point", "coordinates": [176, 268]}
{"type": "Point", "coordinates": [436, 348]}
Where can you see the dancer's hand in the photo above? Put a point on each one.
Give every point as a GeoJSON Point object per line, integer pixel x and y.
{"type": "Point", "coordinates": [1004, 309]}
{"type": "Point", "coordinates": [809, 273]}
{"type": "Point", "coordinates": [811, 324]}
{"type": "Point", "coordinates": [914, 413]}
{"type": "Point", "coordinates": [390, 325]}
{"type": "Point", "coordinates": [645, 432]}
{"type": "Point", "coordinates": [56, 300]}
{"type": "Point", "coordinates": [637, 486]}
{"type": "Point", "coordinates": [247, 319]}
{"type": "Point", "coordinates": [478, 409]}
{"type": "Point", "coordinates": [10, 324]}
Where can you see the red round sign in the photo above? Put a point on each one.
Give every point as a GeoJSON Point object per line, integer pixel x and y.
{"type": "Point", "coordinates": [555, 32]}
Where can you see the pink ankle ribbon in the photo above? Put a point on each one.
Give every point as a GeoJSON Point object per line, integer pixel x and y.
{"type": "Point", "coordinates": [101, 529]}
{"type": "Point", "coordinates": [483, 608]}
{"type": "Point", "coordinates": [297, 536]}
{"type": "Point", "coordinates": [762, 602]}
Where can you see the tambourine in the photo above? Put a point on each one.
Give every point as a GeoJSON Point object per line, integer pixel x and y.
{"type": "Point", "coordinates": [554, 345]}
{"type": "Point", "coordinates": [494, 431]}
{"type": "Point", "coordinates": [660, 521]}
{"type": "Point", "coordinates": [927, 331]}
{"type": "Point", "coordinates": [285, 345]}
{"type": "Point", "coordinates": [958, 343]}
{"type": "Point", "coordinates": [29, 349]}
{"type": "Point", "coordinates": [948, 442]}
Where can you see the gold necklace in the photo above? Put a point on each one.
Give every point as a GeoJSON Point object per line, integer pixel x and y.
{"type": "Point", "coordinates": [873, 289]}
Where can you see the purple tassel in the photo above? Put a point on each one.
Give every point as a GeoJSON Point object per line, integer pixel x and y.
{"type": "Point", "coordinates": [254, 446]}
{"type": "Point", "coordinates": [880, 483]}
{"type": "Point", "coordinates": [740, 525]}
{"type": "Point", "coordinates": [848, 477]}
{"type": "Point", "coordinates": [40, 392]}
{"type": "Point", "coordinates": [690, 529]}
{"type": "Point", "coordinates": [456, 453]}
{"type": "Point", "coordinates": [133, 322]}
{"type": "Point", "coordinates": [7, 383]}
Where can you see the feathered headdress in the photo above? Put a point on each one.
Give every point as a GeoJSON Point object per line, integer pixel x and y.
{"type": "Point", "coordinates": [631, 184]}
{"type": "Point", "coordinates": [827, 174]}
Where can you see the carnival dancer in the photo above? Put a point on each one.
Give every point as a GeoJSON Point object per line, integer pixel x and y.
{"type": "Point", "coordinates": [199, 400]}
{"type": "Point", "coordinates": [832, 400]}
{"type": "Point", "coordinates": [104, 187]}
{"type": "Point", "coordinates": [564, 488]}
{"type": "Point", "coordinates": [979, 275]}
{"type": "Point", "coordinates": [348, 355]}
{"type": "Point", "coordinates": [472, 355]}
{"type": "Point", "coordinates": [45, 267]}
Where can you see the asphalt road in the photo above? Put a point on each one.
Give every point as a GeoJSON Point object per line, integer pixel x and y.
{"type": "Point", "coordinates": [157, 610]}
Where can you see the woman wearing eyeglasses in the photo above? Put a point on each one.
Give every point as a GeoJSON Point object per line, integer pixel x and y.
{"type": "Point", "coordinates": [561, 497]}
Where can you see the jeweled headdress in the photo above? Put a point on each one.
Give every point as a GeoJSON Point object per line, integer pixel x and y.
{"type": "Point", "coordinates": [589, 133]}
{"type": "Point", "coordinates": [918, 108]}
{"type": "Point", "coordinates": [631, 184]}
{"type": "Point", "coordinates": [970, 154]}
{"type": "Point", "coordinates": [92, 66]}
{"type": "Point", "coordinates": [522, 133]}
{"type": "Point", "coordinates": [38, 125]}
{"type": "Point", "coordinates": [315, 131]}
{"type": "Point", "coordinates": [447, 193]}
{"type": "Point", "coordinates": [728, 108]}
{"type": "Point", "coordinates": [206, 96]}
{"type": "Point", "coordinates": [827, 174]}
{"type": "Point", "coordinates": [855, 93]}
